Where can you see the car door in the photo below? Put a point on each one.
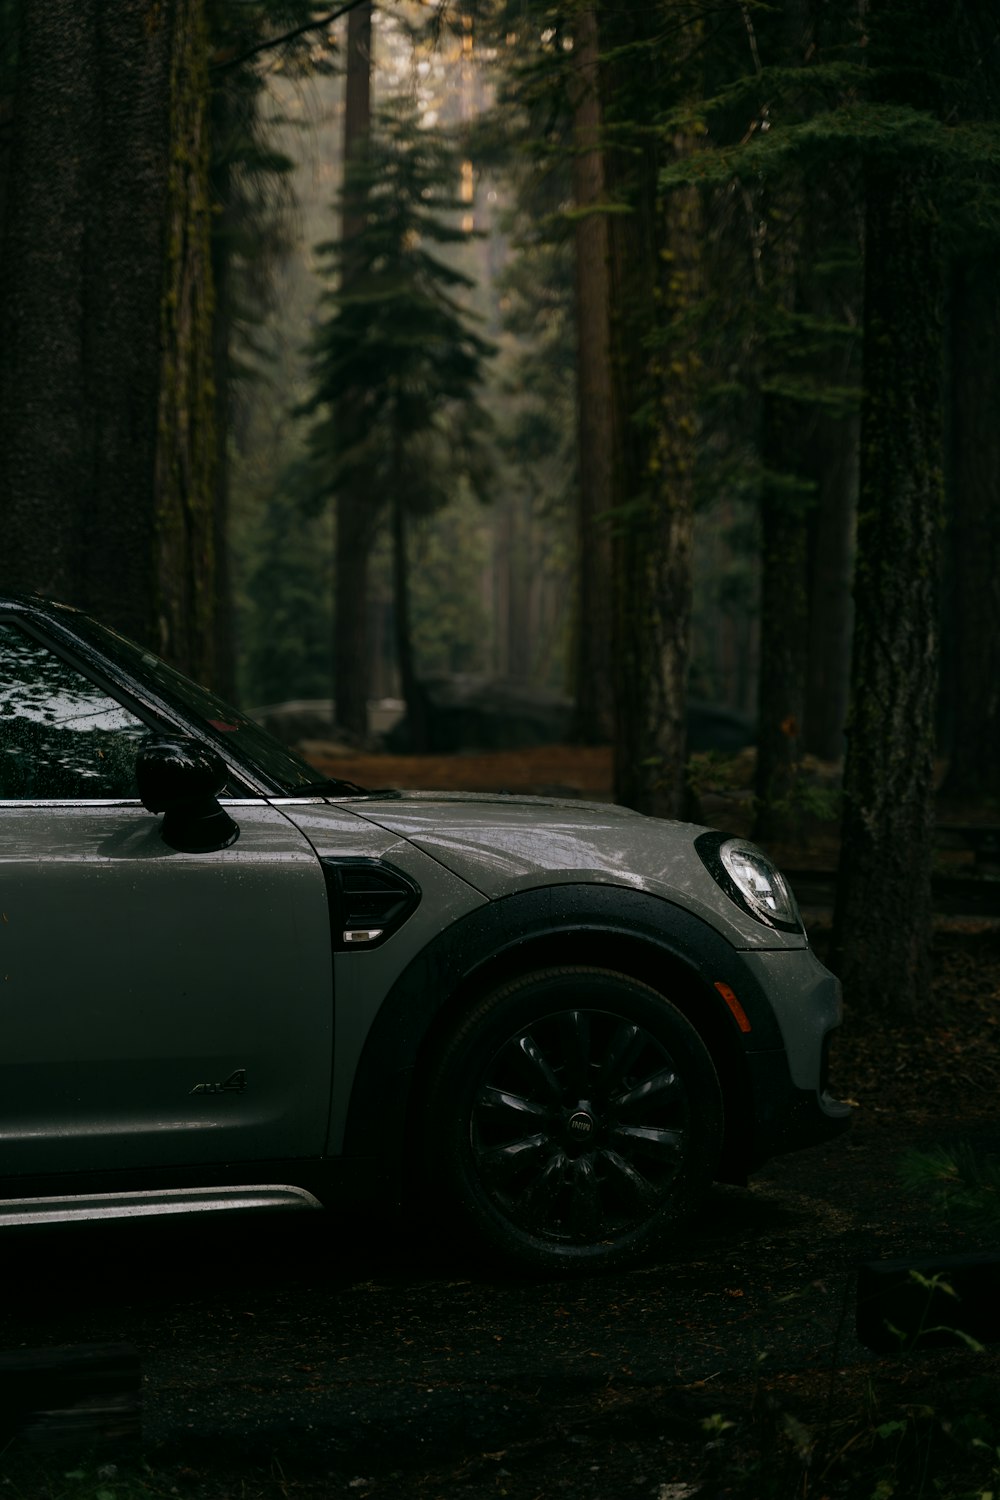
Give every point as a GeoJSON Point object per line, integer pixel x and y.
{"type": "Point", "coordinates": [157, 1008]}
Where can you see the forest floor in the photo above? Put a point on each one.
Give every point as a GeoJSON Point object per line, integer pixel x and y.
{"type": "Point", "coordinates": [351, 1363]}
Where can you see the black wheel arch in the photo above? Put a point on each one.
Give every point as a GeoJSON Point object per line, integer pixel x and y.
{"type": "Point", "coordinates": [609, 927]}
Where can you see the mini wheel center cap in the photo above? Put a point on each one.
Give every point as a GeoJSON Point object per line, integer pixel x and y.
{"type": "Point", "coordinates": [581, 1125]}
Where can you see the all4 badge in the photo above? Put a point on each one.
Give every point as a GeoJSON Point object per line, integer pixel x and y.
{"type": "Point", "coordinates": [234, 1084]}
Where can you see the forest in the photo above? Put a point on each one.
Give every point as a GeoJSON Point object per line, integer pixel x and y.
{"type": "Point", "coordinates": [644, 355]}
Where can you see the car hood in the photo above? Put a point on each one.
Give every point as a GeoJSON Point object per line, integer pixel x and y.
{"type": "Point", "coordinates": [501, 844]}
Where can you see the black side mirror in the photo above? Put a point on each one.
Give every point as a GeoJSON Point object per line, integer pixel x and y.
{"type": "Point", "coordinates": [180, 777]}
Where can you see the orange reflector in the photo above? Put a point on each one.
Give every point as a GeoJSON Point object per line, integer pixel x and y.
{"type": "Point", "coordinates": [742, 1019]}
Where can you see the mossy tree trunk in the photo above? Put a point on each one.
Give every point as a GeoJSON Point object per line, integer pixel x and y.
{"type": "Point", "coordinates": [882, 924]}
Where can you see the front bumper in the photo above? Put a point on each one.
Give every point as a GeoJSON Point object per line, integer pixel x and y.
{"type": "Point", "coordinates": [787, 1118]}
{"type": "Point", "coordinates": [790, 1104]}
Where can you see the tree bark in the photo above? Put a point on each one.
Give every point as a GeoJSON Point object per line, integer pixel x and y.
{"type": "Point", "coordinates": [655, 243]}
{"type": "Point", "coordinates": [882, 922]}
{"type": "Point", "coordinates": [355, 523]}
{"type": "Point", "coordinates": [655, 512]}
{"type": "Point", "coordinates": [81, 283]}
{"type": "Point", "coordinates": [801, 499]}
{"type": "Point", "coordinates": [783, 617]}
{"type": "Point", "coordinates": [224, 645]}
{"type": "Point", "coordinates": [831, 553]}
{"type": "Point", "coordinates": [105, 380]}
{"type": "Point", "coordinates": [185, 479]}
{"type": "Point", "coordinates": [593, 676]}
{"type": "Point", "coordinates": [974, 768]}
{"type": "Point", "coordinates": [355, 535]}
{"type": "Point", "coordinates": [409, 686]}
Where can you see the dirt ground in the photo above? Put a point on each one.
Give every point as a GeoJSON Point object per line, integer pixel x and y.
{"type": "Point", "coordinates": [307, 1363]}
{"type": "Point", "coordinates": [568, 770]}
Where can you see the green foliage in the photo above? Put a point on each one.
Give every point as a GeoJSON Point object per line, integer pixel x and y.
{"type": "Point", "coordinates": [450, 553]}
{"type": "Point", "coordinates": [718, 773]}
{"type": "Point", "coordinates": [805, 802]}
{"type": "Point", "coordinates": [282, 558]}
{"type": "Point", "coordinates": [286, 601]}
{"type": "Point", "coordinates": [961, 1183]}
{"type": "Point", "coordinates": [28, 1476]}
{"type": "Point", "coordinates": [932, 1286]}
{"type": "Point", "coordinates": [397, 361]}
{"type": "Point", "coordinates": [252, 199]}
{"type": "Point", "coordinates": [916, 90]}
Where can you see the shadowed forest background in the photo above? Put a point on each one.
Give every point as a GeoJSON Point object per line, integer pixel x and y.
{"type": "Point", "coordinates": [640, 358]}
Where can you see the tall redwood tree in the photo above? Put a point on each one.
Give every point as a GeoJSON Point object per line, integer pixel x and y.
{"type": "Point", "coordinates": [105, 307]}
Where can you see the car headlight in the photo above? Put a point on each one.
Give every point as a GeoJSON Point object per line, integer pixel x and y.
{"type": "Point", "coordinates": [751, 880]}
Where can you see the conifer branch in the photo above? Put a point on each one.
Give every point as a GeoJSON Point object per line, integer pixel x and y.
{"type": "Point", "coordinates": [223, 63]}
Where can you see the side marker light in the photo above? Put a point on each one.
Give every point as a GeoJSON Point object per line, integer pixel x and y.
{"type": "Point", "coordinates": [739, 1014]}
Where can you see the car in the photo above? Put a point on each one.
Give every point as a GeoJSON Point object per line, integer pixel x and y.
{"type": "Point", "coordinates": [229, 982]}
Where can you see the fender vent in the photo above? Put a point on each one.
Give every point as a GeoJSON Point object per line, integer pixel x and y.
{"type": "Point", "coordinates": [369, 901]}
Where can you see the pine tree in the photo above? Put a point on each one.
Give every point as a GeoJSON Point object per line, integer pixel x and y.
{"type": "Point", "coordinates": [397, 361]}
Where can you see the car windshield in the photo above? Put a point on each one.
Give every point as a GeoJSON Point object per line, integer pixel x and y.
{"type": "Point", "coordinates": [252, 743]}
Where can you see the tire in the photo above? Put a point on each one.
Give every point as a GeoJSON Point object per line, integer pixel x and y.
{"type": "Point", "coordinates": [575, 1118]}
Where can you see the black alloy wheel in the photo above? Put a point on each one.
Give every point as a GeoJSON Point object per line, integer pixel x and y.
{"type": "Point", "coordinates": [578, 1118]}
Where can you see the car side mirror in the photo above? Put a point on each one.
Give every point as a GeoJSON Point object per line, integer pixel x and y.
{"type": "Point", "coordinates": [180, 777]}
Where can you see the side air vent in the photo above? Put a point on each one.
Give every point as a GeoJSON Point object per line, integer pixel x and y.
{"type": "Point", "coordinates": [369, 901]}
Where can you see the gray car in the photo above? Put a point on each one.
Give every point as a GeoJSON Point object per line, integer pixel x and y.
{"type": "Point", "coordinates": [230, 983]}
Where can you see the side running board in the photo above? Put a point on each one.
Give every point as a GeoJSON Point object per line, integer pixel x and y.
{"type": "Point", "coordinates": [76, 1208]}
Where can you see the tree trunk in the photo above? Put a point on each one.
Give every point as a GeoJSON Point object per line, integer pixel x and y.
{"type": "Point", "coordinates": [186, 451]}
{"type": "Point", "coordinates": [831, 552]}
{"type": "Point", "coordinates": [81, 282]}
{"type": "Point", "coordinates": [9, 26]}
{"type": "Point", "coordinates": [831, 462]}
{"type": "Point", "coordinates": [105, 380]}
{"type": "Point", "coordinates": [655, 264]}
{"type": "Point", "coordinates": [882, 923]}
{"type": "Point", "coordinates": [593, 677]}
{"type": "Point", "coordinates": [223, 230]}
{"type": "Point", "coordinates": [654, 527]}
{"type": "Point", "coordinates": [974, 769]}
{"type": "Point", "coordinates": [783, 616]}
{"type": "Point", "coordinates": [354, 538]}
{"type": "Point", "coordinates": [355, 525]}
{"type": "Point", "coordinates": [410, 690]}
{"type": "Point", "coordinates": [801, 221]}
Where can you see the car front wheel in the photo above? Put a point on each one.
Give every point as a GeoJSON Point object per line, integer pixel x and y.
{"type": "Point", "coordinates": [575, 1118]}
